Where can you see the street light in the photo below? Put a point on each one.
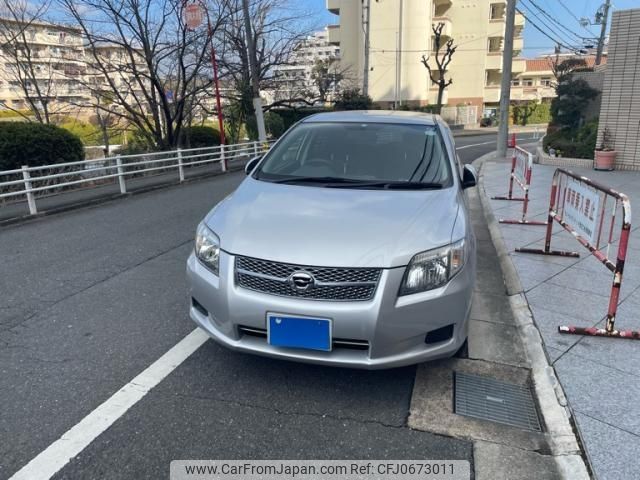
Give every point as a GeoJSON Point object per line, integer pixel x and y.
{"type": "Point", "coordinates": [193, 19]}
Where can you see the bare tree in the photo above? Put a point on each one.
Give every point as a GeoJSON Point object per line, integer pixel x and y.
{"type": "Point", "coordinates": [327, 76]}
{"type": "Point", "coordinates": [150, 62]}
{"type": "Point", "coordinates": [437, 75]}
{"type": "Point", "coordinates": [278, 28]}
{"type": "Point", "coordinates": [29, 70]}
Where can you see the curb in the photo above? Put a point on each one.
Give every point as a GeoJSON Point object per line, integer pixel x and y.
{"type": "Point", "coordinates": [553, 403]}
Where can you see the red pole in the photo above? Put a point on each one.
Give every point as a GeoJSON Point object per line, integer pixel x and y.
{"type": "Point", "coordinates": [552, 204]}
{"type": "Point", "coordinates": [214, 63]}
{"type": "Point", "coordinates": [513, 169]}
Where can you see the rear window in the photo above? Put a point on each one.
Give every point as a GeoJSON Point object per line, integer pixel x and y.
{"type": "Point", "coordinates": [359, 151]}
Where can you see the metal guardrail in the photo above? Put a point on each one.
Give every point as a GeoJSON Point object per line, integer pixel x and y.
{"type": "Point", "coordinates": [579, 205]}
{"type": "Point", "coordinates": [30, 181]}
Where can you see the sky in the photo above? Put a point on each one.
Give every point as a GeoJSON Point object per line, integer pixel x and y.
{"type": "Point", "coordinates": [535, 42]}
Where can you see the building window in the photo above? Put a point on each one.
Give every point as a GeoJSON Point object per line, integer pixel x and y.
{"type": "Point", "coordinates": [495, 44]}
{"type": "Point", "coordinates": [545, 81]}
{"type": "Point", "coordinates": [527, 82]}
{"type": "Point", "coordinates": [497, 11]}
{"type": "Point", "coordinates": [515, 82]}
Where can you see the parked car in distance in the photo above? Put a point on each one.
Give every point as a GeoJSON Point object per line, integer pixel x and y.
{"type": "Point", "coordinates": [347, 244]}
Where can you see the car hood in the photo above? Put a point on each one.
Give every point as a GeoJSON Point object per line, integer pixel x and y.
{"type": "Point", "coordinates": [309, 225]}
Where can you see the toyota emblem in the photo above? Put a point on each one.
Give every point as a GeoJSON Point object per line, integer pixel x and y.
{"type": "Point", "coordinates": [301, 281]}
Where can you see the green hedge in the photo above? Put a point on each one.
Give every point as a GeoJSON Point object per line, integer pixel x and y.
{"type": "Point", "coordinates": [530, 113]}
{"type": "Point", "coordinates": [36, 144]}
{"type": "Point", "coordinates": [568, 143]}
{"type": "Point", "coordinates": [198, 136]}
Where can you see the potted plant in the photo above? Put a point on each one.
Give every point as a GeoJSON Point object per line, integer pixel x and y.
{"type": "Point", "coordinates": [605, 155]}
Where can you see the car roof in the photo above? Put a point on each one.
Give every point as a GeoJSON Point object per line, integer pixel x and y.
{"type": "Point", "coordinates": [374, 116]}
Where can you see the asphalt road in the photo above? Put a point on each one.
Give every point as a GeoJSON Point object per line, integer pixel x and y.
{"type": "Point", "coordinates": [92, 297]}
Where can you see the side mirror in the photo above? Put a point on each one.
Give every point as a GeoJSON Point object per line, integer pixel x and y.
{"type": "Point", "coordinates": [469, 176]}
{"type": "Point", "coordinates": [251, 164]}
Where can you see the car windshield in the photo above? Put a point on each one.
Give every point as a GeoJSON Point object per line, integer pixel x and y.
{"type": "Point", "coordinates": [355, 155]}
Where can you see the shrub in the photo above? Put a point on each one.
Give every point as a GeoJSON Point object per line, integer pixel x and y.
{"type": "Point", "coordinates": [198, 136]}
{"type": "Point", "coordinates": [579, 143]}
{"type": "Point", "coordinates": [530, 113]}
{"type": "Point", "coordinates": [274, 124]}
{"type": "Point", "coordinates": [136, 143]}
{"type": "Point", "coordinates": [36, 144]}
{"type": "Point", "coordinates": [353, 100]}
{"type": "Point", "coordinates": [568, 107]}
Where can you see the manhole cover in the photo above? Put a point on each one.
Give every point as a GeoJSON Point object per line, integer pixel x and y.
{"type": "Point", "coordinates": [489, 399]}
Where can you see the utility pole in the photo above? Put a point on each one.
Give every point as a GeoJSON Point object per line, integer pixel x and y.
{"type": "Point", "coordinates": [603, 30]}
{"type": "Point", "coordinates": [366, 14]}
{"type": "Point", "coordinates": [255, 78]}
{"type": "Point", "coordinates": [399, 67]}
{"type": "Point", "coordinates": [505, 86]}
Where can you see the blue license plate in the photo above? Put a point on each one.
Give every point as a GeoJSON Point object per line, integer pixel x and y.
{"type": "Point", "coordinates": [299, 332]}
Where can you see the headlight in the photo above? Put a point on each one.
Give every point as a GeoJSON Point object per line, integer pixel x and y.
{"type": "Point", "coordinates": [434, 268]}
{"type": "Point", "coordinates": [208, 248]}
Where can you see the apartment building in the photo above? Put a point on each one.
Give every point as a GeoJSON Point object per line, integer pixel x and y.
{"type": "Point", "coordinates": [400, 34]}
{"type": "Point", "coordinates": [63, 67]}
{"type": "Point", "coordinates": [295, 78]}
{"type": "Point", "coordinates": [57, 57]}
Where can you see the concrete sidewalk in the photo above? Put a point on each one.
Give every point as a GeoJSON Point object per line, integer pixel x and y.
{"type": "Point", "coordinates": [599, 375]}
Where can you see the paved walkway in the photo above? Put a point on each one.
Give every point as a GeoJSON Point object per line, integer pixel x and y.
{"type": "Point", "coordinates": [599, 375]}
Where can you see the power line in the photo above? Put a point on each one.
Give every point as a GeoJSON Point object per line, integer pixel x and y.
{"type": "Point", "coordinates": [550, 17]}
{"type": "Point", "coordinates": [577, 19]}
{"type": "Point", "coordinates": [569, 10]}
{"type": "Point", "coordinates": [550, 28]}
{"type": "Point", "coordinates": [554, 40]}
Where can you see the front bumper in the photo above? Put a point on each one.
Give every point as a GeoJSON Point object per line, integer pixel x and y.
{"type": "Point", "coordinates": [393, 327]}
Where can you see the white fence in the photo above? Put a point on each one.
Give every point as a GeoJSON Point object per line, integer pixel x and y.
{"type": "Point", "coordinates": [34, 182]}
{"type": "Point", "coordinates": [466, 115]}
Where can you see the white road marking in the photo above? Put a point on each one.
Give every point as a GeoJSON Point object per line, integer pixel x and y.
{"type": "Point", "coordinates": [78, 437]}
{"type": "Point", "coordinates": [486, 143]}
{"type": "Point", "coordinates": [475, 145]}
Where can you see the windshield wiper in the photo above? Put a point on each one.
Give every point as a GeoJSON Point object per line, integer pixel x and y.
{"type": "Point", "coordinates": [327, 180]}
{"type": "Point", "coordinates": [392, 185]}
{"type": "Point", "coordinates": [339, 182]}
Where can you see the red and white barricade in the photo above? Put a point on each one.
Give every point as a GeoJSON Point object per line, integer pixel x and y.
{"type": "Point", "coordinates": [521, 169]}
{"type": "Point", "coordinates": [579, 205]}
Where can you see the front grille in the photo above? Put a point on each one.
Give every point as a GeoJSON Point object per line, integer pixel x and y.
{"type": "Point", "coordinates": [330, 283]}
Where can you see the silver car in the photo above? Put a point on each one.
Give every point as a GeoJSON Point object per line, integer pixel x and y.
{"type": "Point", "coordinates": [348, 244]}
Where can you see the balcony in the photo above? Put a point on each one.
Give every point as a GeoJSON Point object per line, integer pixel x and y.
{"type": "Point", "coordinates": [447, 29]}
{"type": "Point", "coordinates": [334, 34]}
{"type": "Point", "coordinates": [334, 6]}
{"type": "Point", "coordinates": [492, 94]}
{"type": "Point", "coordinates": [493, 61]}
{"type": "Point", "coordinates": [518, 44]}
{"type": "Point", "coordinates": [519, 21]}
{"type": "Point", "coordinates": [441, 7]}
{"type": "Point", "coordinates": [518, 65]}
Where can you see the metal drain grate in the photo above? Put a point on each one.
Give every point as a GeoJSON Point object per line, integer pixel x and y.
{"type": "Point", "coordinates": [489, 399]}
